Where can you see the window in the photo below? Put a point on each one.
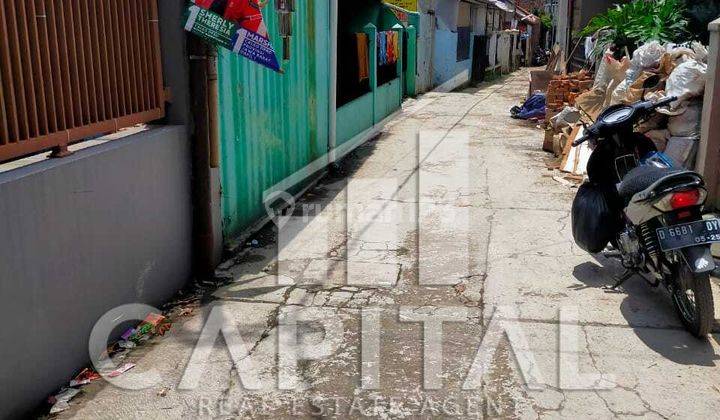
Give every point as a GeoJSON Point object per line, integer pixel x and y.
{"type": "Point", "coordinates": [463, 45]}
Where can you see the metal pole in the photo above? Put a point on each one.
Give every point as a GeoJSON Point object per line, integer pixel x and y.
{"type": "Point", "coordinates": [213, 123]}
{"type": "Point", "coordinates": [332, 132]}
{"type": "Point", "coordinates": [203, 235]}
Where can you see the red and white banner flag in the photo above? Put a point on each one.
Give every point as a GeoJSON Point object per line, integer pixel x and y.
{"type": "Point", "coordinates": [246, 13]}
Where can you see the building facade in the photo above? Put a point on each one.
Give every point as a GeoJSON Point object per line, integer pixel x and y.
{"type": "Point", "coordinates": [463, 40]}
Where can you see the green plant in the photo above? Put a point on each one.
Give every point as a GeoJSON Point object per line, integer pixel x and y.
{"type": "Point", "coordinates": [637, 22]}
{"type": "Point", "coordinates": [546, 20]}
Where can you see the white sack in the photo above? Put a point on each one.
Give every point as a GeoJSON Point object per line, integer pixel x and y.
{"type": "Point", "coordinates": [688, 123]}
{"type": "Point", "coordinates": [687, 81]}
{"type": "Point", "coordinates": [683, 150]}
{"type": "Point", "coordinates": [648, 55]}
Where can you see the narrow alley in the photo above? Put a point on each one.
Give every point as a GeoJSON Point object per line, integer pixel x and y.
{"type": "Point", "coordinates": [405, 232]}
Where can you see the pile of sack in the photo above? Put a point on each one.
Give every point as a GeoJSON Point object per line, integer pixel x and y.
{"type": "Point", "coordinates": [679, 71]}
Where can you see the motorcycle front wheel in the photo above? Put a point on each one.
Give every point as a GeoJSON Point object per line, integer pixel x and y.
{"type": "Point", "coordinates": [693, 301]}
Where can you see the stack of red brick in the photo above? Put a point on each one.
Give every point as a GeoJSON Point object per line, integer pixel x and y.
{"type": "Point", "coordinates": [563, 90]}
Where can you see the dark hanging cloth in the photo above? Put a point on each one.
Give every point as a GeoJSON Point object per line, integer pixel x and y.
{"type": "Point", "coordinates": [350, 84]}
{"type": "Point", "coordinates": [363, 56]}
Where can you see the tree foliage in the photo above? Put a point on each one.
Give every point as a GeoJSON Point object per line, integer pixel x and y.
{"type": "Point", "coordinates": [546, 20]}
{"type": "Point", "coordinates": [632, 24]}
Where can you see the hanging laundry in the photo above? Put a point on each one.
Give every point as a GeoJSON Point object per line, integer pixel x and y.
{"type": "Point", "coordinates": [396, 45]}
{"type": "Point", "coordinates": [390, 49]}
{"type": "Point", "coordinates": [363, 56]}
{"type": "Point", "coordinates": [382, 48]}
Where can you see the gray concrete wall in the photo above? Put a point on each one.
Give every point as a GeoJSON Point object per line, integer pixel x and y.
{"type": "Point", "coordinates": [78, 236]}
{"type": "Point", "coordinates": [176, 69]}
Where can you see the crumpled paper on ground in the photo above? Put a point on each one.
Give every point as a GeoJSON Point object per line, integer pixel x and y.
{"type": "Point", "coordinates": [61, 401]}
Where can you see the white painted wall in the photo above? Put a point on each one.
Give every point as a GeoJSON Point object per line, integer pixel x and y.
{"type": "Point", "coordinates": [446, 12]}
{"type": "Point", "coordinates": [563, 24]}
{"type": "Point", "coordinates": [479, 20]}
{"type": "Point", "coordinates": [426, 45]}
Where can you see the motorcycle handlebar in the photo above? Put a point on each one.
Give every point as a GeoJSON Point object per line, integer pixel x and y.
{"type": "Point", "coordinates": [580, 141]}
{"type": "Point", "coordinates": [658, 104]}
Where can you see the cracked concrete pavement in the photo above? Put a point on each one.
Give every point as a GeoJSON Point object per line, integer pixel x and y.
{"type": "Point", "coordinates": [463, 217]}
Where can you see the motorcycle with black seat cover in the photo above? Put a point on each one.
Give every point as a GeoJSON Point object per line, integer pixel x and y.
{"type": "Point", "coordinates": [660, 232]}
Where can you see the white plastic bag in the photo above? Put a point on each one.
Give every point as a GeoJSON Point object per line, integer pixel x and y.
{"type": "Point", "coordinates": [620, 92]}
{"type": "Point", "coordinates": [687, 81]}
{"type": "Point", "coordinates": [648, 55]}
{"type": "Point", "coordinates": [701, 51]}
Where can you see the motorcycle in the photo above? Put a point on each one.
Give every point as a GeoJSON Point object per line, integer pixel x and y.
{"type": "Point", "coordinates": [658, 231]}
{"type": "Point", "coordinates": [541, 56]}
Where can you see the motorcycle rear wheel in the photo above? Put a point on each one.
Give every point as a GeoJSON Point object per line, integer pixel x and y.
{"type": "Point", "coordinates": [693, 301]}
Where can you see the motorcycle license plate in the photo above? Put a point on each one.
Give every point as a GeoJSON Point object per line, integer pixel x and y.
{"type": "Point", "coordinates": [703, 232]}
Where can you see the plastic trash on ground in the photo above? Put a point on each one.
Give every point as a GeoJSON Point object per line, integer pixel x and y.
{"type": "Point", "coordinates": [122, 369]}
{"type": "Point", "coordinates": [534, 107]}
{"type": "Point", "coordinates": [84, 378]}
{"type": "Point", "coordinates": [61, 401]}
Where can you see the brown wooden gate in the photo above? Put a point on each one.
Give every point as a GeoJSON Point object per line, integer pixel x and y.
{"type": "Point", "coordinates": [72, 69]}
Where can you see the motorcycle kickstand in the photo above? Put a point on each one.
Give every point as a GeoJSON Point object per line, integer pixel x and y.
{"type": "Point", "coordinates": [627, 275]}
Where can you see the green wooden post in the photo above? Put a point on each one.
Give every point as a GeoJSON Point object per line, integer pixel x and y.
{"type": "Point", "coordinates": [401, 33]}
{"type": "Point", "coordinates": [411, 73]}
{"type": "Point", "coordinates": [371, 31]}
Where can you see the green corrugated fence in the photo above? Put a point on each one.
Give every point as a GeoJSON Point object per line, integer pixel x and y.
{"type": "Point", "coordinates": [272, 125]}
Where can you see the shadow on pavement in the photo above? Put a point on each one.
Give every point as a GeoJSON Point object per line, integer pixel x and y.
{"type": "Point", "coordinates": [670, 341]}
